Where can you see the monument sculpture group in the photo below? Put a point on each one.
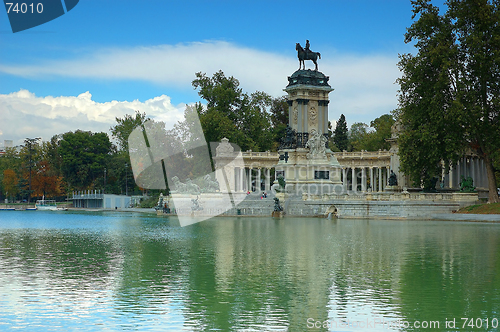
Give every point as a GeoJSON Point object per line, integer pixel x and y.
{"type": "Point", "coordinates": [309, 179]}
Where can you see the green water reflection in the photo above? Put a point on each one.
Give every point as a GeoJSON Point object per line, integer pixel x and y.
{"type": "Point", "coordinates": [120, 271]}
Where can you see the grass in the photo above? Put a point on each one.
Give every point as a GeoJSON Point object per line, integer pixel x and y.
{"type": "Point", "coordinates": [481, 209]}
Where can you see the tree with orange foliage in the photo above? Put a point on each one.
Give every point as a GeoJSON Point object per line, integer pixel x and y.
{"type": "Point", "coordinates": [10, 182]}
{"type": "Point", "coordinates": [44, 182]}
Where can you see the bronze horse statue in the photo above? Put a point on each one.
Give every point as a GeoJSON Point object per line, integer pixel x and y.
{"type": "Point", "coordinates": [303, 55]}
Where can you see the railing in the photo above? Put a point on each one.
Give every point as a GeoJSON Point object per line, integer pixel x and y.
{"type": "Point", "coordinates": [88, 194]}
{"type": "Point", "coordinates": [363, 154]}
{"type": "Point", "coordinates": [250, 154]}
{"type": "Point", "coordinates": [387, 196]}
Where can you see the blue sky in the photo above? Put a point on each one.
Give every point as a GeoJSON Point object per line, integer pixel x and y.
{"type": "Point", "coordinates": [107, 58]}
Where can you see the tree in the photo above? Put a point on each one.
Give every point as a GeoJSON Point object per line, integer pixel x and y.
{"type": "Point", "coordinates": [340, 135]}
{"type": "Point", "coordinates": [83, 157]}
{"type": "Point", "coordinates": [449, 96]}
{"type": "Point", "coordinates": [279, 119]}
{"type": "Point", "coordinates": [45, 182]}
{"type": "Point", "coordinates": [279, 111]}
{"type": "Point", "coordinates": [377, 138]}
{"type": "Point", "coordinates": [31, 146]}
{"type": "Point", "coordinates": [50, 154]}
{"type": "Point", "coordinates": [9, 160]}
{"type": "Point", "coordinates": [357, 136]}
{"type": "Point", "coordinates": [124, 127]}
{"type": "Point", "coordinates": [10, 182]}
{"type": "Point", "coordinates": [231, 113]}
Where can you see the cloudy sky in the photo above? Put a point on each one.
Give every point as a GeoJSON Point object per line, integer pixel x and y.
{"type": "Point", "coordinates": [105, 59]}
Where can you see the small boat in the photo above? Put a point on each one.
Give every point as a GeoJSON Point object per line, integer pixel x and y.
{"type": "Point", "coordinates": [48, 205]}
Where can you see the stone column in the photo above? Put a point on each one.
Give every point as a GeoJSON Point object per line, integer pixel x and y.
{"type": "Point", "coordinates": [452, 171]}
{"type": "Point", "coordinates": [267, 176]}
{"type": "Point", "coordinates": [386, 171]}
{"type": "Point", "coordinates": [371, 179]}
{"type": "Point", "coordinates": [473, 171]}
{"type": "Point", "coordinates": [242, 178]}
{"type": "Point", "coordinates": [478, 171]}
{"type": "Point", "coordinates": [380, 179]}
{"type": "Point", "coordinates": [363, 179]}
{"type": "Point", "coordinates": [257, 183]}
{"type": "Point", "coordinates": [354, 181]}
{"type": "Point", "coordinates": [245, 179]}
{"type": "Point", "coordinates": [344, 179]}
{"type": "Point", "coordinates": [250, 179]}
{"type": "Point", "coordinates": [236, 178]}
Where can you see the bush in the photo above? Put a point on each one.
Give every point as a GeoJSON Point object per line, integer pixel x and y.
{"type": "Point", "coordinates": [150, 202]}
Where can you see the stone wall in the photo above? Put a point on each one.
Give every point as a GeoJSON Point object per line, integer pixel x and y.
{"type": "Point", "coordinates": [381, 205]}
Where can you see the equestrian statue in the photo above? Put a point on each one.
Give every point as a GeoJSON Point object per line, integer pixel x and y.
{"type": "Point", "coordinates": [306, 54]}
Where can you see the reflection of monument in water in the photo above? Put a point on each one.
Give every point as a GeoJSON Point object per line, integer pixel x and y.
{"type": "Point", "coordinates": [305, 162]}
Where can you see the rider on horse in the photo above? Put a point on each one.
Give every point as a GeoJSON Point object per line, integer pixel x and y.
{"type": "Point", "coordinates": [307, 47]}
{"type": "Point", "coordinates": [306, 54]}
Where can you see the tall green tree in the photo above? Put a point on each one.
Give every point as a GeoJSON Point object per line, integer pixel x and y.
{"type": "Point", "coordinates": [124, 127]}
{"type": "Point", "coordinates": [118, 166]}
{"type": "Point", "coordinates": [83, 158]}
{"type": "Point", "coordinates": [279, 119]}
{"type": "Point", "coordinates": [382, 130]}
{"type": "Point", "coordinates": [449, 98]}
{"type": "Point", "coordinates": [231, 113]}
{"type": "Point", "coordinates": [31, 153]}
{"type": "Point", "coordinates": [340, 135]}
{"type": "Point", "coordinates": [358, 135]}
{"type": "Point", "coordinates": [10, 160]}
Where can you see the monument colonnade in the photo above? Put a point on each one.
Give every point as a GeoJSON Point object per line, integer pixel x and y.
{"type": "Point", "coordinates": [362, 171]}
{"type": "Point", "coordinates": [469, 165]}
{"type": "Point", "coordinates": [369, 170]}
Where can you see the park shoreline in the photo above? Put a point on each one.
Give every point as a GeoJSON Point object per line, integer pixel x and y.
{"type": "Point", "coordinates": [493, 218]}
{"type": "Point", "coordinates": [470, 217]}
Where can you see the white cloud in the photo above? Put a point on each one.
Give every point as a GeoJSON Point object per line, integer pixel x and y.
{"type": "Point", "coordinates": [170, 65]}
{"type": "Point", "coordinates": [364, 85]}
{"type": "Point", "coordinates": [25, 115]}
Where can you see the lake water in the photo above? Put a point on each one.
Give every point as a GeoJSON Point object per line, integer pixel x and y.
{"type": "Point", "coordinates": [71, 271]}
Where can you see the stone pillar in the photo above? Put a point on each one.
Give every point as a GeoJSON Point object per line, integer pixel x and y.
{"type": "Point", "coordinates": [245, 180]}
{"type": "Point", "coordinates": [450, 177]}
{"type": "Point", "coordinates": [242, 178]}
{"type": "Point", "coordinates": [267, 176]}
{"type": "Point", "coordinates": [473, 171]}
{"type": "Point", "coordinates": [380, 179]}
{"type": "Point", "coordinates": [363, 179]}
{"type": "Point", "coordinates": [257, 183]}
{"type": "Point", "coordinates": [354, 184]}
{"type": "Point", "coordinates": [250, 179]}
{"type": "Point", "coordinates": [386, 171]}
{"type": "Point", "coordinates": [371, 178]}
{"type": "Point", "coordinates": [478, 171]}
{"type": "Point", "coordinates": [344, 179]}
{"type": "Point", "coordinates": [236, 179]}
